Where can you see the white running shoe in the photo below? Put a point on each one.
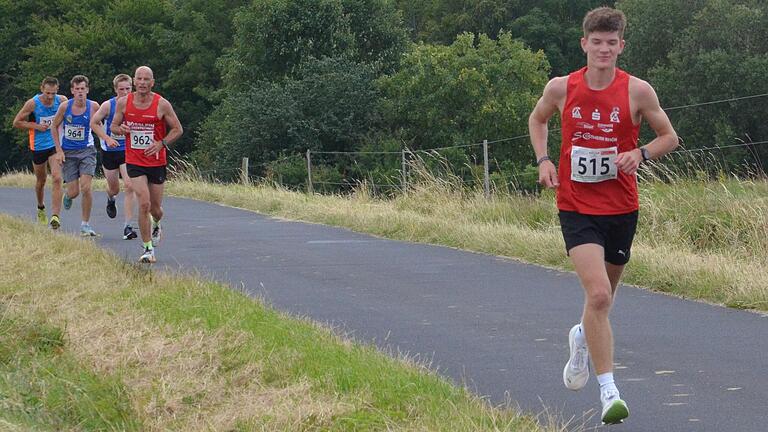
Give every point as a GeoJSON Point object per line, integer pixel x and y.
{"type": "Point", "coordinates": [576, 371]}
{"type": "Point", "coordinates": [614, 409]}
{"type": "Point", "coordinates": [148, 256]}
{"type": "Point", "coordinates": [87, 231]}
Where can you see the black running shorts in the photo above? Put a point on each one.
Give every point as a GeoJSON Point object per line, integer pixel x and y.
{"type": "Point", "coordinates": [111, 160]}
{"type": "Point", "coordinates": [41, 156]}
{"type": "Point", "coordinates": [613, 232]}
{"type": "Point", "coordinates": [155, 175]}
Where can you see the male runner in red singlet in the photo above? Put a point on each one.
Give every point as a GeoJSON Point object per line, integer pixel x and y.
{"type": "Point", "coordinates": [601, 108]}
{"type": "Point", "coordinates": [149, 124]}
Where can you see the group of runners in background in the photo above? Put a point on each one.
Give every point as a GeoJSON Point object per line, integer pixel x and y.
{"type": "Point", "coordinates": [134, 128]}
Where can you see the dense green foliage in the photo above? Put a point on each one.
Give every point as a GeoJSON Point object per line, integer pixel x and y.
{"type": "Point", "coordinates": [271, 79]}
{"type": "Point", "coordinates": [461, 93]}
{"type": "Point", "coordinates": [719, 52]}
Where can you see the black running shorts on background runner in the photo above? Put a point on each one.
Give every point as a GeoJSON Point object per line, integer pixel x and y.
{"type": "Point", "coordinates": [41, 156]}
{"type": "Point", "coordinates": [613, 232]}
{"type": "Point", "coordinates": [155, 175]}
{"type": "Point", "coordinates": [112, 160]}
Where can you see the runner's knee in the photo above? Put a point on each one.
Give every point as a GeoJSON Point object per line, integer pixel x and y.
{"type": "Point", "coordinates": [600, 299]}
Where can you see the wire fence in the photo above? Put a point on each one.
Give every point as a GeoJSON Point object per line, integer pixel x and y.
{"type": "Point", "coordinates": [463, 165]}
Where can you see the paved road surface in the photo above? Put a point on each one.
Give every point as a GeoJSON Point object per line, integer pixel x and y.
{"type": "Point", "coordinates": [495, 324]}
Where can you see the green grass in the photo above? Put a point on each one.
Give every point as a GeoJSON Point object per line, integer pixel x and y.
{"type": "Point", "coordinates": [89, 342]}
{"type": "Point", "coordinates": [44, 387]}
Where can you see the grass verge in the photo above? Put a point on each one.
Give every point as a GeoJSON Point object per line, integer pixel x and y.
{"type": "Point", "coordinates": [696, 239]}
{"type": "Point", "coordinates": [89, 342]}
{"type": "Point", "coordinates": [700, 241]}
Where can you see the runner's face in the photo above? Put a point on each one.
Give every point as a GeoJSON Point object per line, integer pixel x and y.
{"type": "Point", "coordinates": [143, 81]}
{"type": "Point", "coordinates": [79, 92]}
{"type": "Point", "coordinates": [48, 92]}
{"type": "Point", "coordinates": [602, 48]}
{"type": "Point", "coordinates": [123, 88]}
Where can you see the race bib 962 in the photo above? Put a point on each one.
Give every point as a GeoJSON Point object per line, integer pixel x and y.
{"type": "Point", "coordinates": [141, 140]}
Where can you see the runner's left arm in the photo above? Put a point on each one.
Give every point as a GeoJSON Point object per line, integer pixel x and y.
{"type": "Point", "coordinates": [643, 95]}
{"type": "Point", "coordinates": [174, 131]}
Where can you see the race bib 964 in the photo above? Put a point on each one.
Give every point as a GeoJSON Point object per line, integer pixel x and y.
{"type": "Point", "coordinates": [74, 132]}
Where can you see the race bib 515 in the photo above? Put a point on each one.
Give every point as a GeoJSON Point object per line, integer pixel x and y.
{"type": "Point", "coordinates": [590, 165]}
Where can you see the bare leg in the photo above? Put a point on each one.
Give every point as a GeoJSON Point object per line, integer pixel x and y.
{"type": "Point", "coordinates": [56, 192]}
{"type": "Point", "coordinates": [73, 188]}
{"type": "Point", "coordinates": [87, 203]}
{"type": "Point", "coordinates": [589, 261]}
{"type": "Point", "coordinates": [614, 275]}
{"type": "Point", "coordinates": [130, 196]}
{"type": "Point", "coordinates": [141, 189]}
{"type": "Point", "coordinates": [156, 200]}
{"type": "Point", "coordinates": [113, 183]}
{"type": "Point", "coordinates": [41, 174]}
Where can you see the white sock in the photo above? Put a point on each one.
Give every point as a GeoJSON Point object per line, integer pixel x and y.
{"type": "Point", "coordinates": [580, 338]}
{"type": "Point", "coordinates": [83, 223]}
{"type": "Point", "coordinates": [606, 383]}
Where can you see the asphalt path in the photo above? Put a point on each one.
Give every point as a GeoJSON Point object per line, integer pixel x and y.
{"type": "Point", "coordinates": [496, 325]}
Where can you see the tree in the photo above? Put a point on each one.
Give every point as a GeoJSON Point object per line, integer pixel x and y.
{"type": "Point", "coordinates": [18, 23]}
{"type": "Point", "coordinates": [653, 28]}
{"type": "Point", "coordinates": [550, 25]}
{"type": "Point", "coordinates": [274, 37]}
{"type": "Point", "coordinates": [200, 31]}
{"type": "Point", "coordinates": [474, 89]}
{"type": "Point", "coordinates": [328, 105]}
{"type": "Point", "coordinates": [722, 53]}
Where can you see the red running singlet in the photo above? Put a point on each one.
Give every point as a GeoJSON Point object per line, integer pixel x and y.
{"type": "Point", "coordinates": [596, 126]}
{"type": "Point", "coordinates": [146, 128]}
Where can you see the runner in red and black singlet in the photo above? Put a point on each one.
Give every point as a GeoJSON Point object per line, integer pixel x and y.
{"type": "Point", "coordinates": [601, 108]}
{"type": "Point", "coordinates": [596, 126]}
{"type": "Point", "coordinates": [149, 124]}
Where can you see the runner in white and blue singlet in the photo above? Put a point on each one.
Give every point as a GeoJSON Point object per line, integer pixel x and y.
{"type": "Point", "coordinates": [113, 155]}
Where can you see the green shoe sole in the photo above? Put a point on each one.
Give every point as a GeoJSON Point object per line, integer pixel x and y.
{"type": "Point", "coordinates": [616, 413]}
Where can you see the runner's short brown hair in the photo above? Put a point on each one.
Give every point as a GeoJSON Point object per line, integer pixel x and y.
{"type": "Point", "coordinates": [49, 81]}
{"type": "Point", "coordinates": [604, 19]}
{"type": "Point", "coordinates": [77, 79]}
{"type": "Point", "coordinates": [120, 78]}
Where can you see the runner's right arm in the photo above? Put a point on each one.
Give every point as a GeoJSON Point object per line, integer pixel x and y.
{"type": "Point", "coordinates": [550, 102]}
{"type": "Point", "coordinates": [21, 122]}
{"type": "Point", "coordinates": [97, 125]}
{"type": "Point", "coordinates": [57, 120]}
{"type": "Point", "coordinates": [117, 126]}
